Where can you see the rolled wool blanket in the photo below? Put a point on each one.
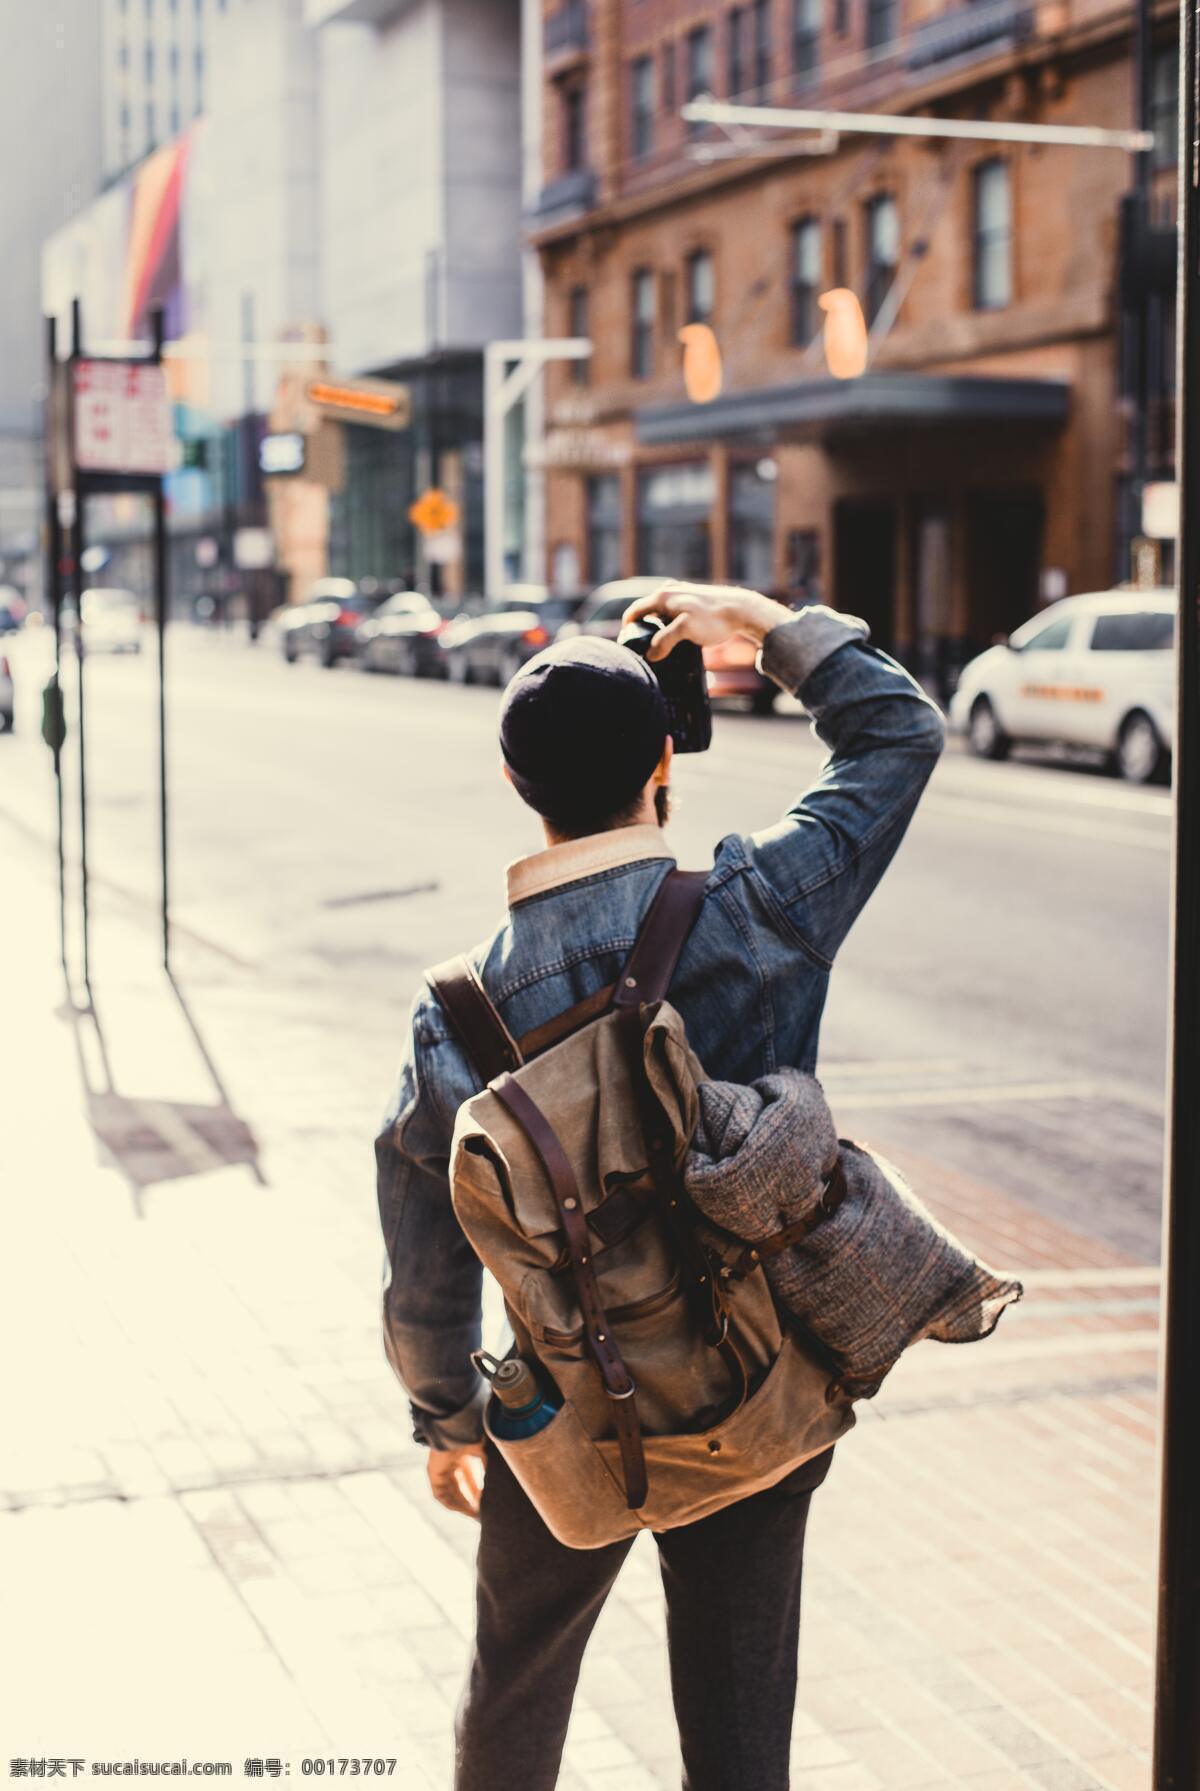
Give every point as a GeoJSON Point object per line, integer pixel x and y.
{"type": "Point", "coordinates": [876, 1275]}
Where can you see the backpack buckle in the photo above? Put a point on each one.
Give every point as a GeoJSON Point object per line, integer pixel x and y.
{"type": "Point", "coordinates": [628, 1393]}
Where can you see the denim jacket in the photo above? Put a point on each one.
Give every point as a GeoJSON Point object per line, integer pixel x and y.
{"type": "Point", "coordinates": [750, 984]}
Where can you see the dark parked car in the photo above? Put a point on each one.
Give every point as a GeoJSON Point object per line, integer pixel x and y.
{"type": "Point", "coordinates": [731, 669]}
{"type": "Point", "coordinates": [491, 648]}
{"type": "Point", "coordinates": [402, 636]}
{"type": "Point", "coordinates": [6, 696]}
{"type": "Point", "coordinates": [325, 624]}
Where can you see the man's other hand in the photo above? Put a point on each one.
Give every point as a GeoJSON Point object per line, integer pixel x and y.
{"type": "Point", "coordinates": [706, 614]}
{"type": "Point", "coordinates": [456, 1477]}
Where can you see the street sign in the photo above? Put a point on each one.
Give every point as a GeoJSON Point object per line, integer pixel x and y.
{"type": "Point", "coordinates": [443, 548]}
{"type": "Point", "coordinates": [281, 454]}
{"type": "Point", "coordinates": [253, 549]}
{"type": "Point", "coordinates": [123, 417]}
{"type": "Point", "coordinates": [433, 512]}
{"type": "Point", "coordinates": [1160, 510]}
{"type": "Point", "coordinates": [380, 403]}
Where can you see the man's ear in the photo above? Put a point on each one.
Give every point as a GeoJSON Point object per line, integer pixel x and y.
{"type": "Point", "coordinates": [662, 771]}
{"type": "Point", "coordinates": [507, 773]}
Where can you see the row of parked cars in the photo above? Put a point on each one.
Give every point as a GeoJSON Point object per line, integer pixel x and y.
{"type": "Point", "coordinates": [406, 632]}
{"type": "Point", "coordinates": [1095, 671]}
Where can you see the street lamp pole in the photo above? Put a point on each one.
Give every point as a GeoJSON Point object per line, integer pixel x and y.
{"type": "Point", "coordinates": [509, 369]}
{"type": "Point", "coordinates": [1177, 1699]}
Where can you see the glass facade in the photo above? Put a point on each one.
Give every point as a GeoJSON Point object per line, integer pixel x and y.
{"type": "Point", "coordinates": [603, 528]}
{"type": "Point", "coordinates": [675, 506]}
{"type": "Point", "coordinates": [752, 525]}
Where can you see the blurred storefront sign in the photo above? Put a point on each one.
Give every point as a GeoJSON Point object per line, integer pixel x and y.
{"type": "Point", "coordinates": [578, 448]}
{"type": "Point", "coordinates": [379, 403]}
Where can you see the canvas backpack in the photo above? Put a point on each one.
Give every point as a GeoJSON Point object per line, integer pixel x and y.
{"type": "Point", "coordinates": [683, 1388]}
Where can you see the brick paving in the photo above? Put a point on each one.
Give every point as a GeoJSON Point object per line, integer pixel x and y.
{"type": "Point", "coordinates": [215, 1537]}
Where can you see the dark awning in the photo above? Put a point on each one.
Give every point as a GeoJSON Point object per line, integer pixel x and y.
{"type": "Point", "coordinates": [877, 400]}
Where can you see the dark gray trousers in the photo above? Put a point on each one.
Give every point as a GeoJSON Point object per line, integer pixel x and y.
{"type": "Point", "coordinates": [732, 1584]}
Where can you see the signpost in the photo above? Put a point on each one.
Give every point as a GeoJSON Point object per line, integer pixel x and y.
{"type": "Point", "coordinates": [109, 430]}
{"type": "Point", "coordinates": [433, 513]}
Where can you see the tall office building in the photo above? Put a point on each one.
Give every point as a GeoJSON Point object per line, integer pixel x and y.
{"type": "Point", "coordinates": [153, 73]}
{"type": "Point", "coordinates": [55, 171]}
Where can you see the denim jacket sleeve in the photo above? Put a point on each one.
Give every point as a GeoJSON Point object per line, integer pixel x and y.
{"type": "Point", "coordinates": [432, 1278]}
{"type": "Point", "coordinates": [823, 859]}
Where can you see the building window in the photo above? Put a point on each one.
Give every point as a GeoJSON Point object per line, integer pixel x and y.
{"type": "Point", "coordinates": [641, 102]}
{"type": "Point", "coordinates": [641, 345]}
{"type": "Point", "coordinates": [577, 325]}
{"type": "Point", "coordinates": [841, 16]}
{"type": "Point", "coordinates": [883, 250]}
{"type": "Point", "coordinates": [151, 129]}
{"type": "Point", "coordinates": [736, 51]}
{"type": "Point", "coordinates": [149, 61]}
{"type": "Point", "coordinates": [149, 10]}
{"type": "Point", "coordinates": [1164, 106]}
{"type": "Point", "coordinates": [841, 276]}
{"type": "Point", "coordinates": [125, 119]}
{"type": "Point", "coordinates": [762, 46]}
{"type": "Point", "coordinates": [804, 564]}
{"type": "Point", "coordinates": [992, 246]}
{"type": "Point", "coordinates": [700, 287]}
{"type": "Point", "coordinates": [806, 280]}
{"type": "Point", "coordinates": [752, 525]}
{"type": "Point", "coordinates": [675, 505]}
{"type": "Point", "coordinates": [574, 128]}
{"type": "Point", "coordinates": [881, 24]}
{"type": "Point", "coordinates": [604, 528]}
{"type": "Point", "coordinates": [806, 41]}
{"type": "Point", "coordinates": [173, 59]}
{"type": "Point", "coordinates": [122, 54]}
{"type": "Point", "coordinates": [699, 64]}
{"type": "Point", "coordinates": [668, 77]}
{"type": "Point", "coordinates": [174, 118]}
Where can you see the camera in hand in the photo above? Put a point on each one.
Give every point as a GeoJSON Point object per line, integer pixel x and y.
{"type": "Point", "coordinates": [681, 679]}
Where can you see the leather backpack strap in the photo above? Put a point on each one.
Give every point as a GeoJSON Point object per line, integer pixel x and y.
{"type": "Point", "coordinates": [650, 966]}
{"type": "Point", "coordinates": [468, 1007]}
{"type": "Point", "coordinates": [618, 1382]}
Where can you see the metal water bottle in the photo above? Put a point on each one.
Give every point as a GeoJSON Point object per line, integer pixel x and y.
{"type": "Point", "coordinates": [520, 1405]}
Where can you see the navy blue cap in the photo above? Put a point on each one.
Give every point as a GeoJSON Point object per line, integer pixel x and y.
{"type": "Point", "coordinates": [582, 726]}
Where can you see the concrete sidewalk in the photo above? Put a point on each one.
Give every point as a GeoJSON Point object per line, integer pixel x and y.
{"type": "Point", "coordinates": [217, 1541]}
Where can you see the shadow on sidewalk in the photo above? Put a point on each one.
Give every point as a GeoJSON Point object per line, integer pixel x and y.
{"type": "Point", "coordinates": [152, 1139]}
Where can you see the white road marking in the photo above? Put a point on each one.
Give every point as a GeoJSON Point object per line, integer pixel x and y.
{"type": "Point", "coordinates": [1043, 1280]}
{"type": "Point", "coordinates": [891, 1066]}
{"type": "Point", "coordinates": [1109, 1343]}
{"type": "Point", "coordinates": [1077, 826]}
{"type": "Point", "coordinates": [967, 1095]}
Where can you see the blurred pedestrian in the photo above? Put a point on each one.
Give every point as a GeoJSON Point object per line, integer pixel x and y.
{"type": "Point", "coordinates": [585, 748]}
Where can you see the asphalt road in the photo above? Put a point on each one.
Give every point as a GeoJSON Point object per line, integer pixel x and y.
{"type": "Point", "coordinates": [1001, 1004]}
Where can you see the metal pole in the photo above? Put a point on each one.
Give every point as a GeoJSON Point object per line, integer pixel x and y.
{"type": "Point", "coordinates": [76, 538]}
{"type": "Point", "coordinates": [55, 422]}
{"type": "Point", "coordinates": [1177, 1699]}
{"type": "Point", "coordinates": [898, 124]}
{"type": "Point", "coordinates": [493, 469]}
{"type": "Point", "coordinates": [160, 610]}
{"type": "Point", "coordinates": [1139, 422]}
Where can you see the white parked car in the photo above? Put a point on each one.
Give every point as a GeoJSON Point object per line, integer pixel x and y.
{"type": "Point", "coordinates": [1096, 671]}
{"type": "Point", "coordinates": [112, 621]}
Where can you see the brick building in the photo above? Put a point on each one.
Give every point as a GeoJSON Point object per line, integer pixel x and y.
{"type": "Point", "coordinates": [981, 464]}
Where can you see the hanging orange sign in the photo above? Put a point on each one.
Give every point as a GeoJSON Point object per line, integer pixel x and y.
{"type": "Point", "coordinates": [433, 512]}
{"type": "Point", "coordinates": [702, 375]}
{"type": "Point", "coordinates": [845, 333]}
